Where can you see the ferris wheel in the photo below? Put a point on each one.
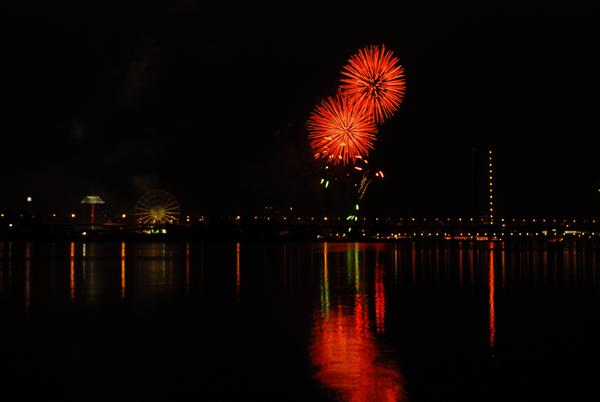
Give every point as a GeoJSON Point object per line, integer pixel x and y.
{"type": "Point", "coordinates": [157, 208]}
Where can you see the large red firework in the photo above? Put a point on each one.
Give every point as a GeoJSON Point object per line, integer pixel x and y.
{"type": "Point", "coordinates": [341, 130]}
{"type": "Point", "coordinates": [374, 77]}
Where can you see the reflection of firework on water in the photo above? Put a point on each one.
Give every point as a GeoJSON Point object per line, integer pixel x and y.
{"type": "Point", "coordinates": [346, 359]}
{"type": "Point", "coordinates": [374, 77]}
{"type": "Point", "coordinates": [340, 130]}
{"type": "Point", "coordinates": [346, 355]}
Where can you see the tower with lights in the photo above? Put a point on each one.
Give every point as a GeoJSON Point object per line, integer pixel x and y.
{"type": "Point", "coordinates": [490, 185]}
{"type": "Point", "coordinates": [92, 200]}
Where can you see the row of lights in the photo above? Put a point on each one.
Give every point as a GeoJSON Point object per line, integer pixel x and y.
{"type": "Point", "coordinates": [325, 218]}
{"type": "Point", "coordinates": [462, 236]}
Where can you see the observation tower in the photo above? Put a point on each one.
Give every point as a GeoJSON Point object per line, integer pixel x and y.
{"type": "Point", "coordinates": [92, 200]}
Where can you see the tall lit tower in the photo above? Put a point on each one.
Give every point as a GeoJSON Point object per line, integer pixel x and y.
{"type": "Point", "coordinates": [491, 185]}
{"type": "Point", "coordinates": [92, 200]}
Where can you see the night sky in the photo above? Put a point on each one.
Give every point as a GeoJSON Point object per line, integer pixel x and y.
{"type": "Point", "coordinates": [211, 105]}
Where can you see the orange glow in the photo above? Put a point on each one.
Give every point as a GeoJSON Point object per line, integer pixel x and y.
{"type": "Point", "coordinates": [379, 297]}
{"type": "Point", "coordinates": [356, 267]}
{"type": "Point", "coordinates": [72, 271]}
{"type": "Point", "coordinates": [341, 130]}
{"type": "Point", "coordinates": [325, 283]}
{"type": "Point", "coordinates": [361, 314]}
{"type": "Point", "coordinates": [492, 288]}
{"type": "Point", "coordinates": [123, 279]}
{"type": "Point", "coordinates": [237, 270]}
{"type": "Point", "coordinates": [374, 78]}
{"type": "Point", "coordinates": [346, 358]}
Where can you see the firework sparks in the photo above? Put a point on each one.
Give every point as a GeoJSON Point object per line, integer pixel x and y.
{"type": "Point", "coordinates": [341, 131]}
{"type": "Point", "coordinates": [374, 78]}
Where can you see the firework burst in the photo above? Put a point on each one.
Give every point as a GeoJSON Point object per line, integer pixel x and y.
{"type": "Point", "coordinates": [374, 78]}
{"type": "Point", "coordinates": [340, 130]}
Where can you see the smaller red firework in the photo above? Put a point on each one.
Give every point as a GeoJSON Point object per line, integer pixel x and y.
{"type": "Point", "coordinates": [340, 130]}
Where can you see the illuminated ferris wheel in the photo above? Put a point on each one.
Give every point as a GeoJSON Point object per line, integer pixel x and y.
{"type": "Point", "coordinates": [157, 208]}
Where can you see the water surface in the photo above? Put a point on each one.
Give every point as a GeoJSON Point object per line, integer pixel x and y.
{"type": "Point", "coordinates": [356, 322]}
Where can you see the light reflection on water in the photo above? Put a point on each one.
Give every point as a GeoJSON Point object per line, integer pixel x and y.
{"type": "Point", "coordinates": [344, 350]}
{"type": "Point", "coordinates": [167, 268]}
{"type": "Point", "coordinates": [123, 270]}
{"type": "Point", "coordinates": [72, 271]}
{"type": "Point", "coordinates": [92, 270]}
{"type": "Point", "coordinates": [492, 295]}
{"type": "Point", "coordinates": [358, 293]}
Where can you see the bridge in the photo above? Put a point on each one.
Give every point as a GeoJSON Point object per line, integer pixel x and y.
{"type": "Point", "coordinates": [313, 228]}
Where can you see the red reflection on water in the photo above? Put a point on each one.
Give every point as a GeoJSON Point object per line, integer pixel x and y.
{"type": "Point", "coordinates": [379, 297]}
{"type": "Point", "coordinates": [348, 361]}
{"type": "Point", "coordinates": [492, 288]}
{"type": "Point", "coordinates": [123, 279]}
{"type": "Point", "coordinates": [344, 350]}
{"type": "Point", "coordinates": [471, 264]}
{"type": "Point", "coordinates": [395, 262]}
{"type": "Point", "coordinates": [325, 283]}
{"type": "Point", "coordinates": [72, 271]}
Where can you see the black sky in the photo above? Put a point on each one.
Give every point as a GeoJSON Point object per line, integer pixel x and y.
{"type": "Point", "coordinates": [211, 104]}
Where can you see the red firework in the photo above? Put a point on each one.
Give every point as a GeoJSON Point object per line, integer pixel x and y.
{"type": "Point", "coordinates": [374, 77]}
{"type": "Point", "coordinates": [341, 130]}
